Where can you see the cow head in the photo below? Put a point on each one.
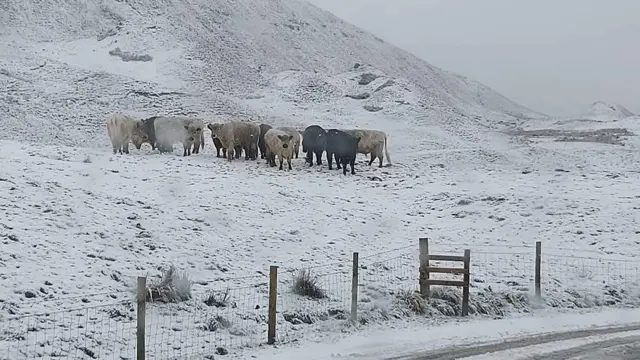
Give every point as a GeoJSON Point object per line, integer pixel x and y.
{"type": "Point", "coordinates": [286, 139]}
{"type": "Point", "coordinates": [216, 129]}
{"type": "Point", "coordinates": [139, 135]}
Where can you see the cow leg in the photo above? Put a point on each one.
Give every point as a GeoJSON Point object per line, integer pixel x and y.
{"type": "Point", "coordinates": [330, 160]}
{"type": "Point", "coordinates": [352, 162]}
{"type": "Point", "coordinates": [247, 152]}
{"type": "Point", "coordinates": [281, 159]}
{"type": "Point", "coordinates": [380, 156]}
{"type": "Point", "coordinates": [319, 157]}
{"type": "Point", "coordinates": [337, 161]}
{"type": "Point", "coordinates": [373, 157]}
{"type": "Point", "coordinates": [125, 146]}
{"type": "Point", "coordinates": [309, 158]}
{"type": "Point", "coordinates": [344, 161]}
{"type": "Point", "coordinates": [272, 160]}
{"type": "Point", "coordinates": [114, 145]}
{"type": "Point", "coordinates": [297, 150]}
{"type": "Point", "coordinates": [289, 163]}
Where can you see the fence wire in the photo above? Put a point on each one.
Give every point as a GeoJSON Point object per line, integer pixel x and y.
{"type": "Point", "coordinates": [309, 298]}
{"type": "Point", "coordinates": [586, 282]}
{"type": "Point", "coordinates": [229, 314]}
{"type": "Point", "coordinates": [99, 332]}
{"type": "Point", "coordinates": [209, 323]}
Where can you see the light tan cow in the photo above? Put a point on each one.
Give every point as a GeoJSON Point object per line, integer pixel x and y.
{"type": "Point", "coordinates": [372, 142]}
{"type": "Point", "coordinates": [123, 129]}
{"type": "Point", "coordinates": [280, 144]}
{"type": "Point", "coordinates": [297, 139]}
{"type": "Point", "coordinates": [198, 142]}
{"type": "Point", "coordinates": [235, 136]}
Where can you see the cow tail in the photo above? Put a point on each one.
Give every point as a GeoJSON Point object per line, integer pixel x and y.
{"type": "Point", "coordinates": [386, 150]}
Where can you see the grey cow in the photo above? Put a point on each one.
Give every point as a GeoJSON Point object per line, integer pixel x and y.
{"type": "Point", "coordinates": [172, 129]}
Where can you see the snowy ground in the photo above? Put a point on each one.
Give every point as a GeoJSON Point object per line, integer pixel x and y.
{"type": "Point", "coordinates": [74, 235]}
{"type": "Point", "coordinates": [80, 223]}
{"type": "Point", "coordinates": [396, 342]}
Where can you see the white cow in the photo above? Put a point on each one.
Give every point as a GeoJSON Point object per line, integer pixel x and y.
{"type": "Point", "coordinates": [123, 129]}
{"type": "Point", "coordinates": [281, 144]}
{"type": "Point", "coordinates": [297, 139]}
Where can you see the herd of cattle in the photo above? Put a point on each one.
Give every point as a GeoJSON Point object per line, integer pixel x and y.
{"type": "Point", "coordinates": [233, 137]}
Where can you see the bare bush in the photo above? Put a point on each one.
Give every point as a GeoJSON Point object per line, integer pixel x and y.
{"type": "Point", "coordinates": [172, 287]}
{"type": "Point", "coordinates": [215, 323]}
{"type": "Point", "coordinates": [413, 301]}
{"type": "Point", "coordinates": [217, 299]}
{"type": "Point", "coordinates": [306, 284]}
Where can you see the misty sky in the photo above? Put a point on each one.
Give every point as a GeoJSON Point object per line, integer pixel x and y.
{"type": "Point", "coordinates": [556, 57]}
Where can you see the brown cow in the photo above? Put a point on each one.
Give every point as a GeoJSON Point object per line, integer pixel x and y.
{"type": "Point", "coordinates": [372, 142]}
{"type": "Point", "coordinates": [236, 134]}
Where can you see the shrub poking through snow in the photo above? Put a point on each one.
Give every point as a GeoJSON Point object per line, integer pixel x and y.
{"type": "Point", "coordinates": [217, 299]}
{"type": "Point", "coordinates": [306, 284]}
{"type": "Point", "coordinates": [215, 323]}
{"type": "Point", "coordinates": [412, 300]}
{"type": "Point", "coordinates": [173, 287]}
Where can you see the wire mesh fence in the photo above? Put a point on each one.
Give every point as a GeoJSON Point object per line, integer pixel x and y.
{"type": "Point", "coordinates": [311, 297]}
{"type": "Point", "coordinates": [101, 332]}
{"type": "Point", "coordinates": [234, 313]}
{"type": "Point", "coordinates": [587, 281]}
{"type": "Point", "coordinates": [209, 323]}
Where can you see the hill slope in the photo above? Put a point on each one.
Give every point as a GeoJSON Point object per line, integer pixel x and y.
{"type": "Point", "coordinates": [205, 55]}
{"type": "Point", "coordinates": [603, 111]}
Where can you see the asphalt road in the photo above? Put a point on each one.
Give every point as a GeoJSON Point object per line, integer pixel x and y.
{"type": "Point", "coordinates": [622, 347]}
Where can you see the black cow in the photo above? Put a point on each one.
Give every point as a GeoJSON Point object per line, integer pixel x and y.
{"type": "Point", "coordinates": [344, 147]}
{"type": "Point", "coordinates": [314, 142]}
{"type": "Point", "coordinates": [261, 144]}
{"type": "Point", "coordinates": [150, 129]}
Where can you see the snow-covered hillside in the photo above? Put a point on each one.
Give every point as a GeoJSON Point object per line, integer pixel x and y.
{"type": "Point", "coordinates": [80, 223]}
{"type": "Point", "coordinates": [205, 54]}
{"type": "Point", "coordinates": [602, 111]}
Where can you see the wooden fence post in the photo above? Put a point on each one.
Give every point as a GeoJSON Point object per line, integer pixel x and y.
{"type": "Point", "coordinates": [424, 263]}
{"type": "Point", "coordinates": [273, 298]}
{"type": "Point", "coordinates": [142, 305]}
{"type": "Point", "coordinates": [354, 289]}
{"type": "Point", "coordinates": [538, 270]}
{"type": "Point", "coordinates": [466, 280]}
